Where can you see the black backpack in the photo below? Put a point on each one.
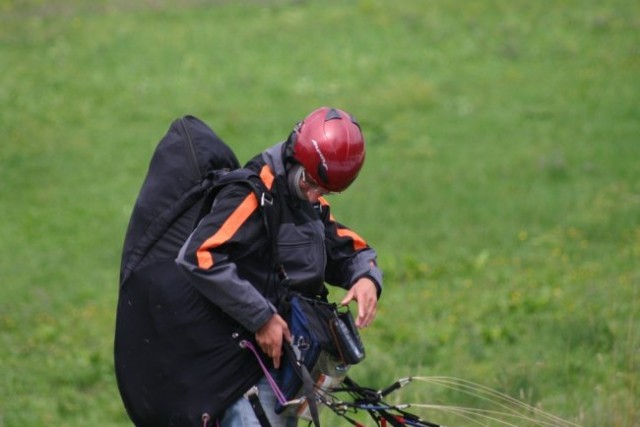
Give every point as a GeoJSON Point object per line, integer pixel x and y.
{"type": "Point", "coordinates": [189, 165]}
{"type": "Point", "coordinates": [165, 331]}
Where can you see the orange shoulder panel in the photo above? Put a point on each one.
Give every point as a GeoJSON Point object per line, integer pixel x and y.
{"type": "Point", "coordinates": [233, 223]}
{"type": "Point", "coordinates": [228, 229]}
{"type": "Point", "coordinates": [266, 175]}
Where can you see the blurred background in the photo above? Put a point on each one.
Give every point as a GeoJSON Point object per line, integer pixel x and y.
{"type": "Point", "coordinates": [501, 188]}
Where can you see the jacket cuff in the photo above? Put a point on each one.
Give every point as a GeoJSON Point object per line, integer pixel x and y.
{"type": "Point", "coordinates": [257, 322]}
{"type": "Point", "coordinates": [375, 274]}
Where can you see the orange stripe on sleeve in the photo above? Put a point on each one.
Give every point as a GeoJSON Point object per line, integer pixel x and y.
{"type": "Point", "coordinates": [358, 242]}
{"type": "Point", "coordinates": [228, 229]}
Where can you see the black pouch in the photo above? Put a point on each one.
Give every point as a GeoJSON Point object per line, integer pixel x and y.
{"type": "Point", "coordinates": [346, 338]}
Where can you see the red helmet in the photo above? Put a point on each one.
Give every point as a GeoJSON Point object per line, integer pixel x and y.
{"type": "Point", "coordinates": [330, 146]}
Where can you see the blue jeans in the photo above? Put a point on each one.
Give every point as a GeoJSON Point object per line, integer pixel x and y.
{"type": "Point", "coordinates": [241, 414]}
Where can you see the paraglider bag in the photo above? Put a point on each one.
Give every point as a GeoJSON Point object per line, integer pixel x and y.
{"type": "Point", "coordinates": [317, 326]}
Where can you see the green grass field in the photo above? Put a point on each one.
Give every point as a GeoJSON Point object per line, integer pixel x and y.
{"type": "Point", "coordinates": [501, 189]}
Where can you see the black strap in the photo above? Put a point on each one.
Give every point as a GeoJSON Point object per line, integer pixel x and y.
{"type": "Point", "coordinates": [271, 219]}
{"type": "Point", "coordinates": [254, 401]}
{"type": "Point", "coordinates": [308, 387]}
{"type": "Point", "coordinates": [310, 394]}
{"type": "Point", "coordinates": [216, 180]}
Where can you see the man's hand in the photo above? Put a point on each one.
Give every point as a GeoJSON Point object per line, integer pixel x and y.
{"type": "Point", "coordinates": [365, 292]}
{"type": "Point", "coordinates": [269, 338]}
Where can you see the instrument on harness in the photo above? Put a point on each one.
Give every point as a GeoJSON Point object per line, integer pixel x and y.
{"type": "Point", "coordinates": [325, 341]}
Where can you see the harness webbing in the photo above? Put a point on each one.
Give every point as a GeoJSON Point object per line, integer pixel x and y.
{"type": "Point", "coordinates": [307, 383]}
{"type": "Point", "coordinates": [364, 399]}
{"type": "Point", "coordinates": [309, 393]}
{"type": "Point", "coordinates": [254, 401]}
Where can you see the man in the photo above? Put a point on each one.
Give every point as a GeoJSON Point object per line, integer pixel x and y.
{"type": "Point", "coordinates": [229, 258]}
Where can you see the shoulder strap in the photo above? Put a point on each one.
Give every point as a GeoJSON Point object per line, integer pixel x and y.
{"type": "Point", "coordinates": [270, 215]}
{"type": "Point", "coordinates": [218, 179]}
{"type": "Point", "coordinates": [271, 219]}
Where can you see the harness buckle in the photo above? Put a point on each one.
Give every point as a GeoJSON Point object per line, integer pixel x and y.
{"type": "Point", "coordinates": [253, 391]}
{"type": "Point", "coordinates": [252, 396]}
{"type": "Point", "coordinates": [266, 199]}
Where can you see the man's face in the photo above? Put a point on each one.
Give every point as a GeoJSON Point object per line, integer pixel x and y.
{"type": "Point", "coordinates": [311, 189]}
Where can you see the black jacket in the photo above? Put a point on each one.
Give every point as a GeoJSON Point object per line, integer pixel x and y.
{"type": "Point", "coordinates": [229, 260]}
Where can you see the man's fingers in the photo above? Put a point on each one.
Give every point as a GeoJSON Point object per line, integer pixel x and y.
{"type": "Point", "coordinates": [286, 333]}
{"type": "Point", "coordinates": [366, 313]}
{"type": "Point", "coordinates": [276, 358]}
{"type": "Point", "coordinates": [347, 298]}
{"type": "Point", "coordinates": [270, 337]}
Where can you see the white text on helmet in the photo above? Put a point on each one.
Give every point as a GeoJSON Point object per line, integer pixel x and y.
{"type": "Point", "coordinates": [322, 159]}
